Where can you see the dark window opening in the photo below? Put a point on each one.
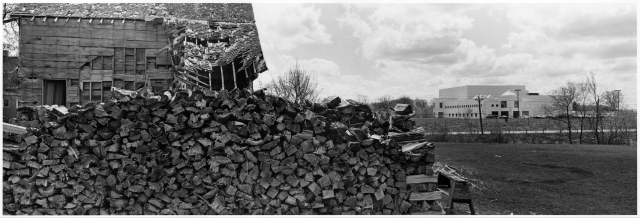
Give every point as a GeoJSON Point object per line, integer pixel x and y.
{"type": "Point", "coordinates": [503, 104]}
{"type": "Point", "coordinates": [55, 92]}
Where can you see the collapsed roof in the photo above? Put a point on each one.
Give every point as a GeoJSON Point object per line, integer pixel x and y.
{"type": "Point", "coordinates": [226, 32]}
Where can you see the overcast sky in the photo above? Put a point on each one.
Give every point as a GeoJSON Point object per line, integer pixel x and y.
{"type": "Point", "coordinates": [417, 49]}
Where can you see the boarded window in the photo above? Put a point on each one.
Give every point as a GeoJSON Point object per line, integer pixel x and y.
{"type": "Point", "coordinates": [6, 102]}
{"type": "Point", "coordinates": [140, 61]}
{"type": "Point", "coordinates": [96, 91]}
{"type": "Point", "coordinates": [129, 61]}
{"type": "Point", "coordinates": [86, 89]}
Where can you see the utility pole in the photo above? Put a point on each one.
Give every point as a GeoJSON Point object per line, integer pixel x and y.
{"type": "Point", "coordinates": [479, 98]}
{"type": "Point", "coordinates": [617, 101]}
{"type": "Point", "coordinates": [518, 91]}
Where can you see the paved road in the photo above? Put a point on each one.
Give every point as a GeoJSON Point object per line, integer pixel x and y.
{"type": "Point", "coordinates": [525, 132]}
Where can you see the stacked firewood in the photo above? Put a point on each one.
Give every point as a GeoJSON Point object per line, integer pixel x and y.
{"type": "Point", "coordinates": [400, 119]}
{"type": "Point", "coordinates": [207, 152]}
{"type": "Point", "coordinates": [421, 179]}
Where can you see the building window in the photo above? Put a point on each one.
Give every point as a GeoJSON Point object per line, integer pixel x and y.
{"type": "Point", "coordinates": [503, 104]}
{"type": "Point", "coordinates": [525, 113]}
{"type": "Point", "coordinates": [95, 91]}
{"type": "Point", "coordinates": [440, 104]}
{"type": "Point", "coordinates": [6, 102]}
{"type": "Point", "coordinates": [516, 104]}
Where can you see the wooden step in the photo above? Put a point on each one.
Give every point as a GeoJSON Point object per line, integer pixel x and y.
{"type": "Point", "coordinates": [429, 212]}
{"type": "Point", "coordinates": [425, 196]}
{"type": "Point", "coordinates": [422, 178]}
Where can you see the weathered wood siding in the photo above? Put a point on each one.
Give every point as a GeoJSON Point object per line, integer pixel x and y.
{"type": "Point", "coordinates": [88, 53]}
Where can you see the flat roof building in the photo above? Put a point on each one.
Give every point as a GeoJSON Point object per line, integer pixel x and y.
{"type": "Point", "coordinates": [502, 100]}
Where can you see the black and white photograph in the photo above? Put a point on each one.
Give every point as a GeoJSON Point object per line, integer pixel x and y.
{"type": "Point", "coordinates": [315, 108]}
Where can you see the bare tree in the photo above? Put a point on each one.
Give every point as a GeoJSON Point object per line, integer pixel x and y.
{"type": "Point", "coordinates": [10, 39]}
{"type": "Point", "coordinates": [363, 99]}
{"type": "Point", "coordinates": [384, 102]}
{"type": "Point", "coordinates": [562, 101]}
{"type": "Point", "coordinates": [582, 106]}
{"type": "Point", "coordinates": [296, 85]}
{"type": "Point", "coordinates": [612, 99]}
{"type": "Point", "coordinates": [592, 90]}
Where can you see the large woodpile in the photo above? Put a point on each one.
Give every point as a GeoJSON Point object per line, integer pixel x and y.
{"type": "Point", "coordinates": [213, 153]}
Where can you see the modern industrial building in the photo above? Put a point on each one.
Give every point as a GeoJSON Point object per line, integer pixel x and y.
{"type": "Point", "coordinates": [502, 100]}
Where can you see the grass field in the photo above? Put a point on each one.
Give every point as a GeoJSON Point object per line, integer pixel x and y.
{"type": "Point", "coordinates": [528, 179]}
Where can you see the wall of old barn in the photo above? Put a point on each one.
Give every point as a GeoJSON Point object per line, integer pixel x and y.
{"type": "Point", "coordinates": [91, 56]}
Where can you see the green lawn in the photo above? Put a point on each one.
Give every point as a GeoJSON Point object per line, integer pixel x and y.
{"type": "Point", "coordinates": [527, 179]}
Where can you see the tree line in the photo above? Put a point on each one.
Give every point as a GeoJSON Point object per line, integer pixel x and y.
{"type": "Point", "coordinates": [591, 106]}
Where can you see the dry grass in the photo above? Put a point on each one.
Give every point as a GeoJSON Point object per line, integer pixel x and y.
{"type": "Point", "coordinates": [531, 179]}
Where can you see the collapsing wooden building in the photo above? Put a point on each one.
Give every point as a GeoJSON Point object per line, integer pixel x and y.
{"type": "Point", "coordinates": [74, 53]}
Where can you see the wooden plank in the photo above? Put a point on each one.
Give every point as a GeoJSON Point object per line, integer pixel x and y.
{"type": "Point", "coordinates": [425, 196]}
{"type": "Point", "coordinates": [129, 25]}
{"type": "Point", "coordinates": [53, 73]}
{"type": "Point", "coordinates": [409, 147]}
{"type": "Point", "coordinates": [233, 67]}
{"type": "Point", "coordinates": [140, 35]}
{"type": "Point", "coordinates": [25, 49]}
{"type": "Point", "coordinates": [150, 36]}
{"type": "Point", "coordinates": [127, 77]}
{"type": "Point", "coordinates": [118, 34]}
{"type": "Point", "coordinates": [222, 76]}
{"type": "Point", "coordinates": [140, 25]}
{"type": "Point", "coordinates": [14, 128]}
{"type": "Point", "coordinates": [97, 51]}
{"type": "Point", "coordinates": [144, 44]}
{"type": "Point", "coordinates": [26, 71]}
{"type": "Point", "coordinates": [97, 75]}
{"type": "Point", "coordinates": [74, 41]}
{"type": "Point", "coordinates": [151, 52]}
{"type": "Point", "coordinates": [422, 178]}
{"type": "Point", "coordinates": [159, 75]}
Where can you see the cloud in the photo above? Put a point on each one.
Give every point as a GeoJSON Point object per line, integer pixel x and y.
{"type": "Point", "coordinates": [285, 26]}
{"type": "Point", "coordinates": [418, 32]}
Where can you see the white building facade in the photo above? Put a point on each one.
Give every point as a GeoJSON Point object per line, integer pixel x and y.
{"type": "Point", "coordinates": [502, 100]}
